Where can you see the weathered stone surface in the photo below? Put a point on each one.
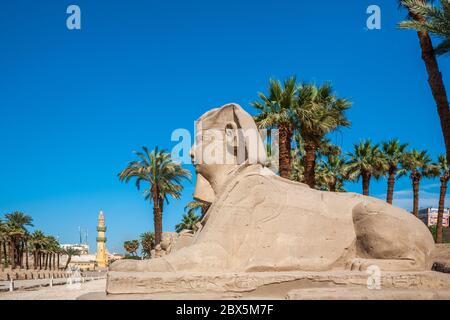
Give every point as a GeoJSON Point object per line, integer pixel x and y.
{"type": "Point", "coordinates": [366, 294]}
{"type": "Point", "coordinates": [275, 285]}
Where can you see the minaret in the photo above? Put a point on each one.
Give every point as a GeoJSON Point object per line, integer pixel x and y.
{"type": "Point", "coordinates": [102, 260]}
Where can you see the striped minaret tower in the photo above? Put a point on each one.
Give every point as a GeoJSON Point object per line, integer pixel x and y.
{"type": "Point", "coordinates": [102, 260]}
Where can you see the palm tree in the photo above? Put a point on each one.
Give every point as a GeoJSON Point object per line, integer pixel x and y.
{"type": "Point", "coordinates": [418, 164]}
{"type": "Point", "coordinates": [393, 152]}
{"type": "Point", "coordinates": [435, 20]}
{"type": "Point", "coordinates": [2, 245]}
{"type": "Point", "coordinates": [441, 169]}
{"type": "Point", "coordinates": [147, 244]}
{"type": "Point", "coordinates": [318, 112]}
{"type": "Point", "coordinates": [425, 19]}
{"type": "Point", "coordinates": [38, 242]}
{"type": "Point", "coordinates": [70, 252]}
{"type": "Point", "coordinates": [195, 205]}
{"type": "Point", "coordinates": [365, 162]}
{"type": "Point", "coordinates": [164, 177]}
{"type": "Point", "coordinates": [332, 173]}
{"type": "Point", "coordinates": [52, 247]}
{"type": "Point", "coordinates": [16, 223]}
{"type": "Point", "coordinates": [297, 165]}
{"type": "Point", "coordinates": [131, 247]}
{"type": "Point", "coordinates": [189, 222]}
{"type": "Point", "coordinates": [276, 111]}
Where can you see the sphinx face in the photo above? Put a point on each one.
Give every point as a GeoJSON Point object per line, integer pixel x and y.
{"type": "Point", "coordinates": [225, 138]}
{"type": "Point", "coordinates": [212, 156]}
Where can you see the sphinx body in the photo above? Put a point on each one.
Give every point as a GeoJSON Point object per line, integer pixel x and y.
{"type": "Point", "coordinates": [261, 222]}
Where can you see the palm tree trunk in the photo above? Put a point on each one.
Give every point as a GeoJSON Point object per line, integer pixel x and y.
{"type": "Point", "coordinates": [416, 197]}
{"type": "Point", "coordinates": [57, 260]}
{"type": "Point", "coordinates": [157, 219]}
{"type": "Point", "coordinates": [22, 252]}
{"type": "Point", "coordinates": [435, 82]}
{"type": "Point", "coordinates": [332, 186]}
{"type": "Point", "coordinates": [26, 255]}
{"type": "Point", "coordinates": [366, 183]}
{"type": "Point", "coordinates": [285, 137]}
{"type": "Point", "coordinates": [2, 266]}
{"type": "Point", "coordinates": [11, 254]}
{"type": "Point", "coordinates": [69, 257]}
{"type": "Point", "coordinates": [6, 253]}
{"type": "Point", "coordinates": [390, 188]}
{"type": "Point", "coordinates": [440, 217]}
{"type": "Point", "coordinates": [204, 209]}
{"type": "Point", "coordinates": [310, 164]}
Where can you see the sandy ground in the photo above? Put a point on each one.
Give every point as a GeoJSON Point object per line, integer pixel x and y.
{"type": "Point", "coordinates": [62, 292]}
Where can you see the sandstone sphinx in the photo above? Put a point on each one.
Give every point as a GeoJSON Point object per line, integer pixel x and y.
{"type": "Point", "coordinates": [260, 222]}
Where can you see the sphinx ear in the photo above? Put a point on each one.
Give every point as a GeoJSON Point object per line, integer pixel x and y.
{"type": "Point", "coordinates": [231, 134]}
{"type": "Point", "coordinates": [235, 148]}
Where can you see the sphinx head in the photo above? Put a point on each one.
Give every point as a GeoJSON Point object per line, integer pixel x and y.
{"type": "Point", "coordinates": [226, 138]}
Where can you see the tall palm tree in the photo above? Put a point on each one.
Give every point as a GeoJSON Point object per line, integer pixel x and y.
{"type": "Point", "coordinates": [189, 222]}
{"type": "Point", "coordinates": [2, 247]}
{"type": "Point", "coordinates": [393, 152]}
{"type": "Point", "coordinates": [276, 112]}
{"type": "Point", "coordinates": [38, 242]}
{"type": "Point", "coordinates": [436, 20]}
{"type": "Point", "coordinates": [441, 169]}
{"type": "Point", "coordinates": [70, 252]}
{"type": "Point", "coordinates": [418, 164]}
{"type": "Point", "coordinates": [52, 247]}
{"type": "Point", "coordinates": [332, 173]}
{"type": "Point", "coordinates": [147, 244]}
{"type": "Point", "coordinates": [16, 223]}
{"type": "Point", "coordinates": [318, 112]}
{"type": "Point", "coordinates": [425, 19]}
{"type": "Point", "coordinates": [365, 162]}
{"type": "Point", "coordinates": [164, 177]}
{"type": "Point", "coordinates": [297, 165]}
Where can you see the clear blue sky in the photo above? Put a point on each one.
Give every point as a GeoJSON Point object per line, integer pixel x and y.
{"type": "Point", "coordinates": [75, 104]}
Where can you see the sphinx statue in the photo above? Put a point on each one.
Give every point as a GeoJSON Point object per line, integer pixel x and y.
{"type": "Point", "coordinates": [260, 222]}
